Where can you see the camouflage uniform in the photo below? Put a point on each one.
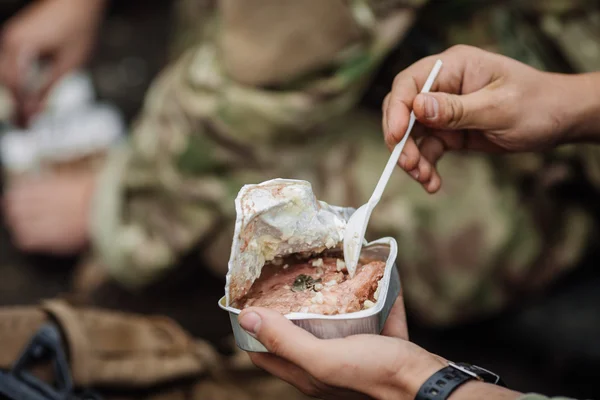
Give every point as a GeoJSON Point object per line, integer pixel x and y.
{"type": "Point", "coordinates": [225, 113]}
{"type": "Point", "coordinates": [497, 230]}
{"type": "Point", "coordinates": [221, 116]}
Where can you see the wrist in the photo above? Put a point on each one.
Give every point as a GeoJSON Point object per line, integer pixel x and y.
{"type": "Point", "coordinates": [579, 103]}
{"type": "Point", "coordinates": [475, 390]}
{"type": "Point", "coordinates": [416, 370]}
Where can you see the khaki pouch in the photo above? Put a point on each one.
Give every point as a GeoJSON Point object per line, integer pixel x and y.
{"type": "Point", "coordinates": [116, 355]}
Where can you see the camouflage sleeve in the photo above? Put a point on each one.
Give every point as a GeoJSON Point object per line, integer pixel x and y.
{"type": "Point", "coordinates": [209, 125]}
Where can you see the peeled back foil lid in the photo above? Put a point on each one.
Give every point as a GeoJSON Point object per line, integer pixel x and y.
{"type": "Point", "coordinates": [277, 218]}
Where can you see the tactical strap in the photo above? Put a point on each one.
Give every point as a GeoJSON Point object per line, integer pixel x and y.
{"type": "Point", "coordinates": [20, 384]}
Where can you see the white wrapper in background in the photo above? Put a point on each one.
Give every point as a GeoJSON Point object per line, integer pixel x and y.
{"type": "Point", "coordinates": [277, 218]}
{"type": "Point", "coordinates": [72, 126]}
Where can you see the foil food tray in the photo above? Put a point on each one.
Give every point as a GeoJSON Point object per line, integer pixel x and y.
{"type": "Point", "coordinates": [369, 321]}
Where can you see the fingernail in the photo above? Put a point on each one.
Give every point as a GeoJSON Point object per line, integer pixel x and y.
{"type": "Point", "coordinates": [414, 173]}
{"type": "Point", "coordinates": [403, 159]}
{"type": "Point", "coordinates": [431, 107]}
{"type": "Point", "coordinates": [251, 322]}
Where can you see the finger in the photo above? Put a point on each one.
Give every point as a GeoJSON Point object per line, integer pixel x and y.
{"type": "Point", "coordinates": [423, 172]}
{"type": "Point", "coordinates": [384, 107]}
{"type": "Point", "coordinates": [404, 90]}
{"type": "Point", "coordinates": [410, 157]}
{"type": "Point", "coordinates": [450, 111]}
{"type": "Point", "coordinates": [419, 131]}
{"type": "Point", "coordinates": [59, 70]}
{"type": "Point", "coordinates": [9, 74]}
{"type": "Point", "coordinates": [434, 184]}
{"type": "Point", "coordinates": [32, 106]}
{"type": "Point", "coordinates": [64, 63]}
{"type": "Point", "coordinates": [281, 337]}
{"type": "Point", "coordinates": [432, 149]}
{"type": "Point", "coordinates": [14, 61]}
{"type": "Point", "coordinates": [465, 70]}
{"type": "Point", "coordinates": [408, 84]}
{"type": "Point", "coordinates": [395, 326]}
{"type": "Point", "coordinates": [6, 72]}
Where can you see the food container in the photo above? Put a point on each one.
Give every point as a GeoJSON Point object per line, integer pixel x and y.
{"type": "Point", "coordinates": [369, 321]}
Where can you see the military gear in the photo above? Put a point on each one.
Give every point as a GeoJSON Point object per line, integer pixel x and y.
{"type": "Point", "coordinates": [116, 356]}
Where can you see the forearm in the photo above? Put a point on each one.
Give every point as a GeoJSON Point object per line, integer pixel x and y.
{"type": "Point", "coordinates": [579, 103]}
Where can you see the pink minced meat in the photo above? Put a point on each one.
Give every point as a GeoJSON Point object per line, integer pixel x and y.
{"type": "Point", "coordinates": [334, 294]}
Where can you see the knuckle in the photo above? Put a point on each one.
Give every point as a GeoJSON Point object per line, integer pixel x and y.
{"type": "Point", "coordinates": [412, 160]}
{"type": "Point", "coordinates": [275, 346]}
{"type": "Point", "coordinates": [398, 79]}
{"type": "Point", "coordinates": [459, 49]}
{"type": "Point", "coordinates": [425, 174]}
{"type": "Point", "coordinates": [506, 104]}
{"type": "Point", "coordinates": [455, 112]}
{"type": "Point", "coordinates": [386, 102]}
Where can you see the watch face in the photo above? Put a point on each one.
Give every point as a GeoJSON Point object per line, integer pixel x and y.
{"type": "Point", "coordinates": [479, 373]}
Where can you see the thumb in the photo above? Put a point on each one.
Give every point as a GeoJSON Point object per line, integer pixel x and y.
{"type": "Point", "coordinates": [280, 336]}
{"type": "Point", "coordinates": [450, 111]}
{"type": "Point", "coordinates": [58, 70]}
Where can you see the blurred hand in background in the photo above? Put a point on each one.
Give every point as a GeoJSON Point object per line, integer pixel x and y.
{"type": "Point", "coordinates": [59, 33]}
{"type": "Point", "coordinates": [50, 214]}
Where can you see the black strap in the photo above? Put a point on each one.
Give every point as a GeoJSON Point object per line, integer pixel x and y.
{"type": "Point", "coordinates": [19, 384]}
{"type": "Point", "coordinates": [441, 384]}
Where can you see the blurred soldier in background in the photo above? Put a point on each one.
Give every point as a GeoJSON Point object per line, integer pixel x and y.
{"type": "Point", "coordinates": [242, 104]}
{"type": "Point", "coordinates": [219, 116]}
{"type": "Point", "coordinates": [261, 89]}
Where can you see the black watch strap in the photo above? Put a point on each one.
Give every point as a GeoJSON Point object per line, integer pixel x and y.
{"type": "Point", "coordinates": [441, 384]}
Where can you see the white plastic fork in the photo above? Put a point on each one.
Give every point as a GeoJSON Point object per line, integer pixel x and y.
{"type": "Point", "coordinates": [354, 235]}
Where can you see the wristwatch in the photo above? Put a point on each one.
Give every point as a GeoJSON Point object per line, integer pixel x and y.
{"type": "Point", "coordinates": [441, 384]}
